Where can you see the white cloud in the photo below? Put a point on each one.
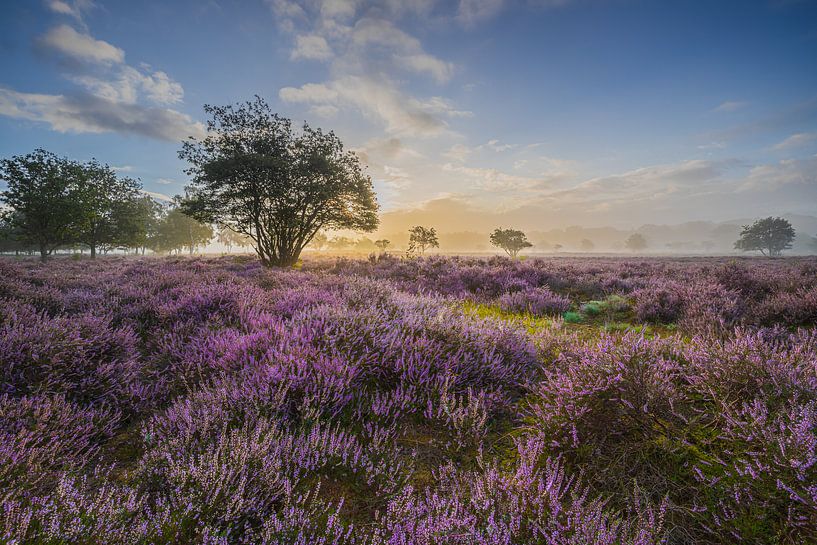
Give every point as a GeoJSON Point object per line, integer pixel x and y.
{"type": "Point", "coordinates": [731, 106]}
{"type": "Point", "coordinates": [470, 12]}
{"type": "Point", "coordinates": [396, 178]}
{"type": "Point", "coordinates": [368, 55]}
{"type": "Point", "coordinates": [72, 9]}
{"type": "Point", "coordinates": [311, 47]}
{"type": "Point", "coordinates": [443, 106]}
{"type": "Point", "coordinates": [159, 88]}
{"type": "Point", "coordinates": [421, 63]}
{"type": "Point", "coordinates": [713, 145]}
{"type": "Point", "coordinates": [378, 32]}
{"type": "Point", "coordinates": [649, 184]}
{"type": "Point", "coordinates": [379, 150]}
{"type": "Point", "coordinates": [126, 84]}
{"type": "Point", "coordinates": [115, 96]}
{"type": "Point", "coordinates": [338, 9]}
{"type": "Point", "coordinates": [165, 181]}
{"type": "Point", "coordinates": [79, 46]}
{"type": "Point", "coordinates": [491, 179]}
{"type": "Point", "coordinates": [326, 111]}
{"type": "Point", "coordinates": [123, 168]}
{"type": "Point", "coordinates": [158, 196]}
{"type": "Point", "coordinates": [795, 141]}
{"type": "Point", "coordinates": [379, 101]}
{"type": "Point", "coordinates": [286, 8]}
{"type": "Point", "coordinates": [496, 146]}
{"type": "Point", "coordinates": [783, 173]}
{"type": "Point", "coordinates": [458, 152]}
{"type": "Point", "coordinates": [93, 114]}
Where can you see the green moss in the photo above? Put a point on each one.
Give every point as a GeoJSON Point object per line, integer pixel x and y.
{"type": "Point", "coordinates": [529, 322]}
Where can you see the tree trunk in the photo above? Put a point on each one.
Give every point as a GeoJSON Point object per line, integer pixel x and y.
{"type": "Point", "coordinates": [43, 252]}
{"type": "Point", "coordinates": [93, 251]}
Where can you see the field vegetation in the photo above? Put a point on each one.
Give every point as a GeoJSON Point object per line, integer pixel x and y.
{"type": "Point", "coordinates": [429, 400]}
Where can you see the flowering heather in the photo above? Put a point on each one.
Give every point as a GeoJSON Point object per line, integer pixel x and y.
{"type": "Point", "coordinates": [425, 401]}
{"type": "Point", "coordinates": [536, 301]}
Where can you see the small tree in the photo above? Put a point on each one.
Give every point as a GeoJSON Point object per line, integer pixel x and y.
{"type": "Point", "coordinates": [382, 244]}
{"type": "Point", "coordinates": [41, 189]}
{"type": "Point", "coordinates": [230, 238]}
{"type": "Point", "coordinates": [510, 240]}
{"type": "Point", "coordinates": [319, 241]}
{"type": "Point", "coordinates": [770, 236]}
{"type": "Point", "coordinates": [587, 244]}
{"type": "Point", "coordinates": [341, 243]}
{"type": "Point", "coordinates": [365, 244]}
{"type": "Point", "coordinates": [636, 242]}
{"type": "Point", "coordinates": [421, 238]}
{"type": "Point", "coordinates": [254, 174]}
{"type": "Point", "coordinates": [177, 231]}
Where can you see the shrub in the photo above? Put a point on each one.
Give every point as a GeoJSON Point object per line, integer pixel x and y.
{"type": "Point", "coordinates": [538, 302]}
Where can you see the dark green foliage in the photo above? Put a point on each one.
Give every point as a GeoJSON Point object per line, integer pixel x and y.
{"type": "Point", "coordinates": [54, 202]}
{"type": "Point", "coordinates": [510, 240]}
{"type": "Point", "coordinates": [42, 192]}
{"type": "Point", "coordinates": [254, 174]}
{"type": "Point", "coordinates": [108, 208]}
{"type": "Point", "coordinates": [770, 236]}
{"type": "Point", "coordinates": [421, 238]}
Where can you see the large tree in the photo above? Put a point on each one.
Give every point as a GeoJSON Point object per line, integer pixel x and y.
{"type": "Point", "coordinates": [254, 174]}
{"type": "Point", "coordinates": [770, 236]}
{"type": "Point", "coordinates": [108, 208]}
{"type": "Point", "coordinates": [42, 192]}
{"type": "Point", "coordinates": [510, 240]}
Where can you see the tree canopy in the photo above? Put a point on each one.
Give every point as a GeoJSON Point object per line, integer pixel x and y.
{"type": "Point", "coordinates": [257, 176]}
{"type": "Point", "coordinates": [770, 236]}
{"type": "Point", "coordinates": [636, 242]}
{"type": "Point", "coordinates": [510, 240]}
{"type": "Point", "coordinates": [177, 231]}
{"type": "Point", "coordinates": [108, 207]}
{"type": "Point", "coordinates": [54, 202]}
{"type": "Point", "coordinates": [422, 238]}
{"type": "Point", "coordinates": [41, 197]}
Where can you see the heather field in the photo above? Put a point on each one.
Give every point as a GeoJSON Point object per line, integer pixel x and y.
{"type": "Point", "coordinates": [427, 401]}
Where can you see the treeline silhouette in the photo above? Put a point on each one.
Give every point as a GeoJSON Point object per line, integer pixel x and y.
{"type": "Point", "coordinates": [54, 203]}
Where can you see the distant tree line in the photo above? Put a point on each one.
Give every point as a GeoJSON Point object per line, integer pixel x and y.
{"type": "Point", "coordinates": [54, 203]}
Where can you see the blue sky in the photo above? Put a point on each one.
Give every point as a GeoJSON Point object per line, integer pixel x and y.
{"type": "Point", "coordinates": [554, 112]}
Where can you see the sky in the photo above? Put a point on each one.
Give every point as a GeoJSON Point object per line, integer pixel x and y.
{"type": "Point", "coordinates": [543, 113]}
